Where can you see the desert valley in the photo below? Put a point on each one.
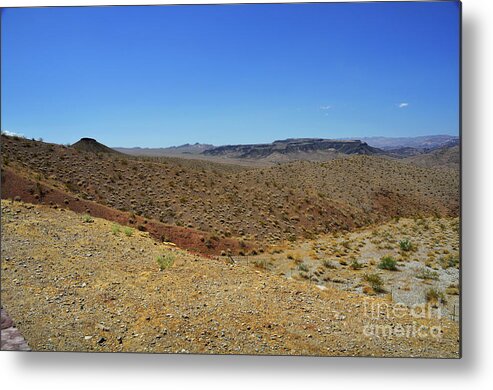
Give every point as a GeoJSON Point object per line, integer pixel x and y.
{"type": "Point", "coordinates": [300, 246]}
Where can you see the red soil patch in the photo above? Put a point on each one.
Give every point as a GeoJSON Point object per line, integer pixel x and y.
{"type": "Point", "coordinates": [18, 187]}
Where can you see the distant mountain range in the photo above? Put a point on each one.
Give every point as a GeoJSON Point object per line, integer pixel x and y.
{"type": "Point", "coordinates": [427, 142]}
{"type": "Point", "coordinates": [292, 149]}
{"type": "Point", "coordinates": [405, 146]}
{"type": "Point", "coordinates": [311, 149]}
{"type": "Point", "coordinates": [170, 151]}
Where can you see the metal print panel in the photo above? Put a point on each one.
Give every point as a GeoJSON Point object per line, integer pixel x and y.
{"type": "Point", "coordinates": [262, 179]}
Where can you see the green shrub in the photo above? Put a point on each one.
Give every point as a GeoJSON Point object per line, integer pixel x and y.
{"type": "Point", "coordinates": [388, 263]}
{"type": "Point", "coordinates": [406, 245]}
{"type": "Point", "coordinates": [86, 218]}
{"type": "Point", "coordinates": [115, 229]}
{"type": "Point", "coordinates": [165, 261]}
{"type": "Point", "coordinates": [328, 264]}
{"type": "Point", "coordinates": [128, 231]}
{"type": "Point", "coordinates": [434, 296]}
{"type": "Point", "coordinates": [427, 274]}
{"type": "Point", "coordinates": [375, 281]}
{"type": "Point", "coordinates": [449, 261]}
{"type": "Point", "coordinates": [356, 265]}
{"type": "Point", "coordinates": [303, 267]}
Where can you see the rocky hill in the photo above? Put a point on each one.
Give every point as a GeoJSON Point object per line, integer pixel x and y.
{"type": "Point", "coordinates": [91, 145]}
{"type": "Point", "coordinates": [446, 157]}
{"type": "Point", "coordinates": [292, 147]}
{"type": "Point", "coordinates": [262, 205]}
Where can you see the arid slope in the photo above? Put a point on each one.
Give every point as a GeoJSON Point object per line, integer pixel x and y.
{"type": "Point", "coordinates": [448, 157]}
{"type": "Point", "coordinates": [72, 284]}
{"type": "Point", "coordinates": [268, 205]}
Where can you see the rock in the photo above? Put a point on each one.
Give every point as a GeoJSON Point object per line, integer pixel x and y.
{"type": "Point", "coordinates": [103, 327]}
{"type": "Point", "coordinates": [6, 321]}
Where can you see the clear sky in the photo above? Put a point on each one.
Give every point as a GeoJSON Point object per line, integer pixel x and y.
{"type": "Point", "coordinates": [168, 75]}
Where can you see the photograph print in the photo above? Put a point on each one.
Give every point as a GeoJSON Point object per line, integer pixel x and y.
{"type": "Point", "coordinates": [242, 179]}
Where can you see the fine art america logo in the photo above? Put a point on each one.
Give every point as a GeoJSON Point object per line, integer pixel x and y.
{"type": "Point", "coordinates": [378, 311]}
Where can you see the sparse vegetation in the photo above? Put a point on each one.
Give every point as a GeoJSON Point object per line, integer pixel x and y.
{"type": "Point", "coordinates": [165, 261]}
{"type": "Point", "coordinates": [375, 282]}
{"type": "Point", "coordinates": [329, 264]}
{"type": "Point", "coordinates": [388, 263]}
{"type": "Point", "coordinates": [449, 261]}
{"type": "Point", "coordinates": [115, 229]}
{"type": "Point", "coordinates": [317, 234]}
{"type": "Point", "coordinates": [453, 289]}
{"type": "Point", "coordinates": [433, 295]}
{"type": "Point", "coordinates": [427, 274]}
{"type": "Point", "coordinates": [356, 265]}
{"type": "Point", "coordinates": [86, 218]}
{"type": "Point", "coordinates": [310, 219]}
{"type": "Point", "coordinates": [216, 194]}
{"type": "Point", "coordinates": [406, 245]}
{"type": "Point", "coordinates": [261, 263]}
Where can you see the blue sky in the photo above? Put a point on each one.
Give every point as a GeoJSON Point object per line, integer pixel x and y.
{"type": "Point", "coordinates": [161, 76]}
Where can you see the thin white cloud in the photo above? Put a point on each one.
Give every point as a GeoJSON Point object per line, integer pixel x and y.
{"type": "Point", "coordinates": [12, 134]}
{"type": "Point", "coordinates": [403, 105]}
{"type": "Point", "coordinates": [325, 108]}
